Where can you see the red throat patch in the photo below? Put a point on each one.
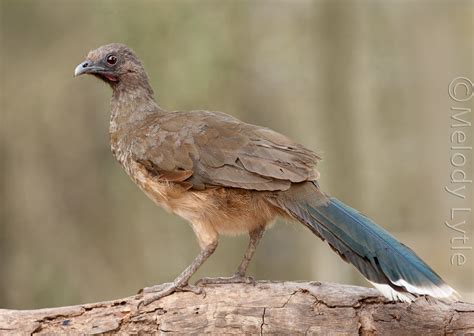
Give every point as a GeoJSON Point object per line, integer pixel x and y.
{"type": "Point", "coordinates": [111, 78]}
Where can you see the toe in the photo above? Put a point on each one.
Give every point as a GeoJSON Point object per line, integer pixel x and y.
{"type": "Point", "coordinates": [154, 289]}
{"type": "Point", "coordinates": [156, 293]}
{"type": "Point", "coordinates": [189, 288]}
{"type": "Point", "coordinates": [236, 278]}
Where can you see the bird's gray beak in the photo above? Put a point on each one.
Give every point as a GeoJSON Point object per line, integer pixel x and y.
{"type": "Point", "coordinates": [87, 67]}
{"type": "Point", "coordinates": [81, 68]}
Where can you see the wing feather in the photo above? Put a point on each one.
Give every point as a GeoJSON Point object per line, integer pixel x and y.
{"type": "Point", "coordinates": [205, 149]}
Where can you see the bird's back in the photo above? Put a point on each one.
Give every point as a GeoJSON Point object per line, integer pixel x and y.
{"type": "Point", "coordinates": [215, 149]}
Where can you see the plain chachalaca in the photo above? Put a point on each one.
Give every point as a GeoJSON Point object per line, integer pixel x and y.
{"type": "Point", "coordinates": [228, 177]}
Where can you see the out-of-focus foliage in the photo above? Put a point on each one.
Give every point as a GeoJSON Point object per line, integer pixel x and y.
{"type": "Point", "coordinates": [362, 82]}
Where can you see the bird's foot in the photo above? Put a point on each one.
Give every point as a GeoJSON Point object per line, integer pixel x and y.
{"type": "Point", "coordinates": [236, 278]}
{"type": "Point", "coordinates": [160, 291]}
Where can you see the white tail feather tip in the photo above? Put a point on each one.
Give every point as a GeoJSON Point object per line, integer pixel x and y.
{"type": "Point", "coordinates": [440, 292]}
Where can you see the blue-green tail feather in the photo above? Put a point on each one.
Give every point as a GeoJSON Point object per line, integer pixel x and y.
{"type": "Point", "coordinates": [391, 266]}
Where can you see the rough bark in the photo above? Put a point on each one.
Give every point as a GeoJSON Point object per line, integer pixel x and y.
{"type": "Point", "coordinates": [283, 308]}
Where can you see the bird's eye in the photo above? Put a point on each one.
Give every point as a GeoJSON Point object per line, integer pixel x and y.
{"type": "Point", "coordinates": [111, 59]}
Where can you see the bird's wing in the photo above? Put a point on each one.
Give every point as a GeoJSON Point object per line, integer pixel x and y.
{"type": "Point", "coordinates": [203, 149]}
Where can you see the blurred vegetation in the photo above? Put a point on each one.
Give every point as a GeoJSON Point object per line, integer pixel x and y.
{"type": "Point", "coordinates": [364, 83]}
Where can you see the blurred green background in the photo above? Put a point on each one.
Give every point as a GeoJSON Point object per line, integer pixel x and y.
{"type": "Point", "coordinates": [364, 83]}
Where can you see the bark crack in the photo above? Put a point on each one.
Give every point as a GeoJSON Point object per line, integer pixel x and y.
{"type": "Point", "coordinates": [263, 321]}
{"type": "Point", "coordinates": [449, 322]}
{"type": "Point", "coordinates": [289, 298]}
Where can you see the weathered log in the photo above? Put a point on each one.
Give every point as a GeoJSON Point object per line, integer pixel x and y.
{"type": "Point", "coordinates": [283, 308]}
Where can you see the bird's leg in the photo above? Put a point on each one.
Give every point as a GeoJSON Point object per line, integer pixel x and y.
{"type": "Point", "coordinates": [239, 276]}
{"type": "Point", "coordinates": [255, 237]}
{"type": "Point", "coordinates": [181, 282]}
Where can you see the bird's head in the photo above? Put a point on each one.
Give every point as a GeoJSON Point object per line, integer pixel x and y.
{"type": "Point", "coordinates": [116, 64]}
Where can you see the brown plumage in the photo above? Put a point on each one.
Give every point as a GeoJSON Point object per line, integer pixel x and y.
{"type": "Point", "coordinates": [182, 160]}
{"type": "Point", "coordinates": [225, 176]}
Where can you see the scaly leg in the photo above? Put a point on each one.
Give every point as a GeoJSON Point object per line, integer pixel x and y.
{"type": "Point", "coordinates": [239, 276]}
{"type": "Point", "coordinates": [181, 282]}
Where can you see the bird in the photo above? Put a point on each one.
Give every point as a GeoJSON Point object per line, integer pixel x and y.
{"type": "Point", "coordinates": [228, 177]}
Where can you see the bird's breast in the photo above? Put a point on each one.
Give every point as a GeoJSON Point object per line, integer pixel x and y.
{"type": "Point", "coordinates": [160, 192]}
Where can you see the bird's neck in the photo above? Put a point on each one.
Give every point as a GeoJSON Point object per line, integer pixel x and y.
{"type": "Point", "coordinates": [130, 105]}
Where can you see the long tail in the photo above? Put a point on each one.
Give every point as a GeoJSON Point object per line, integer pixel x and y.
{"type": "Point", "coordinates": [393, 268]}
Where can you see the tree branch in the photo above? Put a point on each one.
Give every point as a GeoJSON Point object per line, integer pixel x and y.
{"type": "Point", "coordinates": [291, 308]}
